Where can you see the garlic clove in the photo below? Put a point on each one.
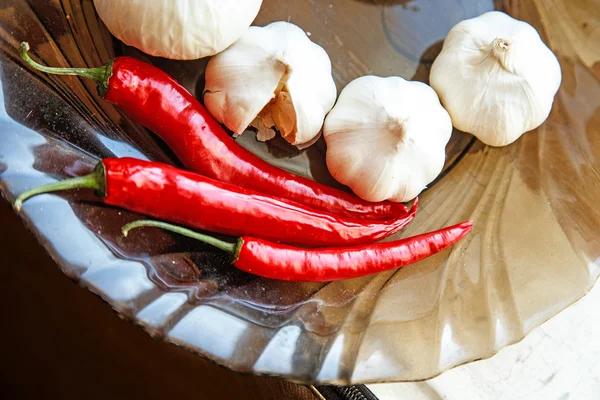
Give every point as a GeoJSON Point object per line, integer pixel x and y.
{"type": "Point", "coordinates": [264, 130]}
{"type": "Point", "coordinates": [241, 81]}
{"type": "Point", "coordinates": [276, 71]}
{"type": "Point", "coordinates": [386, 138]}
{"type": "Point", "coordinates": [496, 78]}
{"type": "Point", "coordinates": [284, 116]}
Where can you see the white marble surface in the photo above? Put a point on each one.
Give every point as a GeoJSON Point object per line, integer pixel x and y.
{"type": "Point", "coordinates": [559, 360]}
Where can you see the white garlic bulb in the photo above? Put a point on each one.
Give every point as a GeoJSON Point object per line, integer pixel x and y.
{"type": "Point", "coordinates": [386, 138]}
{"type": "Point", "coordinates": [178, 29]}
{"type": "Point", "coordinates": [274, 76]}
{"type": "Point", "coordinates": [496, 78]}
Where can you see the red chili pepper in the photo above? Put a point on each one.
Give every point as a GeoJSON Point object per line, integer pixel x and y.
{"type": "Point", "coordinates": [192, 199]}
{"type": "Point", "coordinates": [157, 101]}
{"type": "Point", "coordinates": [278, 261]}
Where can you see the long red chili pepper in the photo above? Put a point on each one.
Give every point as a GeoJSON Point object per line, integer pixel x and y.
{"type": "Point", "coordinates": [192, 199]}
{"type": "Point", "coordinates": [157, 101]}
{"type": "Point", "coordinates": [278, 261]}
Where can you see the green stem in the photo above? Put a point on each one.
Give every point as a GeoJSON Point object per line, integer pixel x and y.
{"type": "Point", "coordinates": [100, 74]}
{"type": "Point", "coordinates": [213, 241]}
{"type": "Point", "coordinates": [95, 180]}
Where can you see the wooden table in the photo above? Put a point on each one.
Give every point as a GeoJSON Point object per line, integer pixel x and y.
{"type": "Point", "coordinates": [61, 341]}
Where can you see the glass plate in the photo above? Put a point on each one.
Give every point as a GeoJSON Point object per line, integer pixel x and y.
{"type": "Point", "coordinates": [533, 251]}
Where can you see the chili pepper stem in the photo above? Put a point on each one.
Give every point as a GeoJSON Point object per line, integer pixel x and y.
{"type": "Point", "coordinates": [99, 74]}
{"type": "Point", "coordinates": [232, 248]}
{"type": "Point", "coordinates": [94, 180]}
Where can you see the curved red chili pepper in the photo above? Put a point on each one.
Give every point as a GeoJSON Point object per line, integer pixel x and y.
{"type": "Point", "coordinates": [185, 197]}
{"type": "Point", "coordinates": [157, 101]}
{"type": "Point", "coordinates": [277, 261]}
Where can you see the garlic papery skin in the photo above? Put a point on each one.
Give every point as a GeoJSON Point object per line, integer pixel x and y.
{"type": "Point", "coordinates": [496, 78]}
{"type": "Point", "coordinates": [178, 29]}
{"type": "Point", "coordinates": [386, 138]}
{"type": "Point", "coordinates": [274, 76]}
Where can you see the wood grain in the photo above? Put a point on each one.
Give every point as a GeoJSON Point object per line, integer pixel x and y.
{"type": "Point", "coordinates": [61, 341]}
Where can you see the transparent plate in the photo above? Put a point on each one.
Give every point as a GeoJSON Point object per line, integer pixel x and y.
{"type": "Point", "coordinates": [533, 251]}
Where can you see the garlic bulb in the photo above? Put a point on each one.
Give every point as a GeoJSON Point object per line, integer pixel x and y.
{"type": "Point", "coordinates": [386, 138]}
{"type": "Point", "coordinates": [274, 76]}
{"type": "Point", "coordinates": [496, 78]}
{"type": "Point", "coordinates": [178, 29]}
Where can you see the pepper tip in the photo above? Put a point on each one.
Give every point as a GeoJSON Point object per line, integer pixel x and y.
{"type": "Point", "coordinates": [466, 226]}
{"type": "Point", "coordinates": [18, 204]}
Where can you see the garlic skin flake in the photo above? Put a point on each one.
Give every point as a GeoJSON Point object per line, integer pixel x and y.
{"type": "Point", "coordinates": [496, 77]}
{"type": "Point", "coordinates": [386, 138]}
{"type": "Point", "coordinates": [274, 76]}
{"type": "Point", "coordinates": [178, 29]}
